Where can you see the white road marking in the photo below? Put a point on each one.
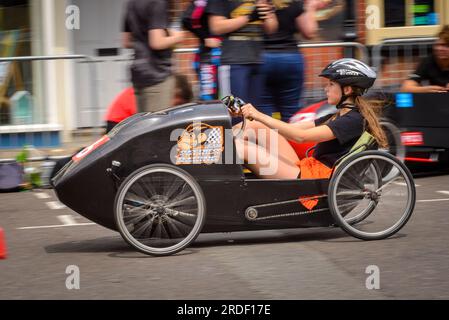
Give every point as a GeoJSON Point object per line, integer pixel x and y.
{"type": "Point", "coordinates": [67, 220]}
{"type": "Point", "coordinates": [404, 184]}
{"type": "Point", "coordinates": [57, 226]}
{"type": "Point", "coordinates": [41, 195]}
{"type": "Point", "coordinates": [55, 205]}
{"type": "Point", "coordinates": [433, 200]}
{"type": "Point", "coordinates": [444, 192]}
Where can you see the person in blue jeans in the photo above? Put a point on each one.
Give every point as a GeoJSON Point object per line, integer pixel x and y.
{"type": "Point", "coordinates": [242, 24]}
{"type": "Point", "coordinates": [207, 58]}
{"type": "Point", "coordinates": [283, 64]}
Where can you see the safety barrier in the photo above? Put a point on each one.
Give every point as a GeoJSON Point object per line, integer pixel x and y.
{"type": "Point", "coordinates": [40, 131]}
{"type": "Point", "coordinates": [395, 59]}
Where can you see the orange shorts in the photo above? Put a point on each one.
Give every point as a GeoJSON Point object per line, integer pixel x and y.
{"type": "Point", "coordinates": [311, 168]}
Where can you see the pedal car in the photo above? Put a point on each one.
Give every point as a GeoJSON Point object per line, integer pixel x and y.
{"type": "Point", "coordinates": [160, 179]}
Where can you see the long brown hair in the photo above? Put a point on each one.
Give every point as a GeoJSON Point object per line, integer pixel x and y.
{"type": "Point", "coordinates": [371, 111]}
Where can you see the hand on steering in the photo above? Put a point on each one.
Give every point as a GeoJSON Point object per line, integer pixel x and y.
{"type": "Point", "coordinates": [233, 113]}
{"type": "Point", "coordinates": [250, 113]}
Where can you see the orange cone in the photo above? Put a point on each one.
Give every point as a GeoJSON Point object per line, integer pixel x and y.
{"type": "Point", "coordinates": [2, 245]}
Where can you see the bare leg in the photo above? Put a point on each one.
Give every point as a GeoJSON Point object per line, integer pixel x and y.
{"type": "Point", "coordinates": [266, 164]}
{"type": "Point", "coordinates": [258, 133]}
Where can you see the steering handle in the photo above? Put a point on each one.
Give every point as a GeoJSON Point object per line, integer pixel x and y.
{"type": "Point", "coordinates": [234, 105]}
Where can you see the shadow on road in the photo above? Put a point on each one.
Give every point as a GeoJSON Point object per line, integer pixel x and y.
{"type": "Point", "coordinates": [117, 247]}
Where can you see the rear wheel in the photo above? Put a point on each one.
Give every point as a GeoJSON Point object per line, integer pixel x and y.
{"type": "Point", "coordinates": [377, 209]}
{"type": "Point", "coordinates": [160, 209]}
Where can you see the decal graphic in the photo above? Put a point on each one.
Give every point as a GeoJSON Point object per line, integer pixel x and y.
{"type": "Point", "coordinates": [200, 143]}
{"type": "Point", "coordinates": [89, 149]}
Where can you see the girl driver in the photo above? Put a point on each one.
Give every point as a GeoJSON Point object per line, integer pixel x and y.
{"type": "Point", "coordinates": [347, 81]}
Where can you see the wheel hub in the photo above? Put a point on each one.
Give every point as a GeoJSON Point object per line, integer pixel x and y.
{"type": "Point", "coordinates": [374, 196]}
{"type": "Point", "coordinates": [160, 211]}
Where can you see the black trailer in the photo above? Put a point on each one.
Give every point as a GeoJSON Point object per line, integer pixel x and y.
{"type": "Point", "coordinates": [424, 122]}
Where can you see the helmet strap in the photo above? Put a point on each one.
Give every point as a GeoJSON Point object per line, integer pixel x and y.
{"type": "Point", "coordinates": [342, 103]}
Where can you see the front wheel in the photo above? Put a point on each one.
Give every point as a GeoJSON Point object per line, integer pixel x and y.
{"type": "Point", "coordinates": [159, 209]}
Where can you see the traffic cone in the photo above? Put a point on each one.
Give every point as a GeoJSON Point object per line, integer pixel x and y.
{"type": "Point", "coordinates": [2, 245]}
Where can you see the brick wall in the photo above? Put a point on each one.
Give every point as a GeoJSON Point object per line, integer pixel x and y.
{"type": "Point", "coordinates": [361, 18]}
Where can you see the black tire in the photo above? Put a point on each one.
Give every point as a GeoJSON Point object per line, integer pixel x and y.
{"type": "Point", "coordinates": [395, 146]}
{"type": "Point", "coordinates": [403, 178]}
{"type": "Point", "coordinates": [152, 217]}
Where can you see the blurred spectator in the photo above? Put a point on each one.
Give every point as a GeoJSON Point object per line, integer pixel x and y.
{"type": "Point", "coordinates": [207, 59]}
{"type": "Point", "coordinates": [242, 23]}
{"type": "Point", "coordinates": [183, 90]}
{"type": "Point", "coordinates": [283, 67]}
{"type": "Point", "coordinates": [146, 31]}
{"type": "Point", "coordinates": [124, 106]}
{"type": "Point", "coordinates": [432, 74]}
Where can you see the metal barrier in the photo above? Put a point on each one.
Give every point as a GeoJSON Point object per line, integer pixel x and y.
{"type": "Point", "coordinates": [46, 134]}
{"type": "Point", "coordinates": [92, 75]}
{"type": "Point", "coordinates": [395, 59]}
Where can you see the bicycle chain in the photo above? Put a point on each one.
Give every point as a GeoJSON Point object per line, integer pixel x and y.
{"type": "Point", "coordinates": [290, 214]}
{"type": "Point", "coordinates": [283, 215]}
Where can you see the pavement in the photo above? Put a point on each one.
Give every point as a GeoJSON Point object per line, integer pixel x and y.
{"type": "Point", "coordinates": [46, 240]}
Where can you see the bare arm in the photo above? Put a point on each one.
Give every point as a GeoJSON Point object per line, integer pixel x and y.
{"type": "Point", "coordinates": [306, 22]}
{"type": "Point", "coordinates": [268, 16]}
{"type": "Point", "coordinates": [127, 40]}
{"type": "Point", "coordinates": [304, 125]}
{"type": "Point", "coordinates": [271, 24]}
{"type": "Point", "coordinates": [289, 131]}
{"type": "Point", "coordinates": [159, 40]}
{"type": "Point", "coordinates": [414, 87]}
{"type": "Point", "coordinates": [220, 25]}
{"type": "Point", "coordinates": [300, 135]}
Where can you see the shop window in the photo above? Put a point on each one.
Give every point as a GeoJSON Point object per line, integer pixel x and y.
{"type": "Point", "coordinates": [402, 13]}
{"type": "Point", "coordinates": [15, 40]}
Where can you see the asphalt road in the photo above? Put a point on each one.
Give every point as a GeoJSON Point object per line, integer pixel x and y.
{"type": "Point", "coordinates": [44, 238]}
